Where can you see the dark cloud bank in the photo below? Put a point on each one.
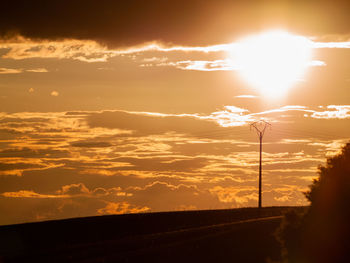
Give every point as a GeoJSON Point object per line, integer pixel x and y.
{"type": "Point", "coordinates": [120, 23]}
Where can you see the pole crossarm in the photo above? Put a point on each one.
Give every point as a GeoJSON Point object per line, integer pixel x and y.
{"type": "Point", "coordinates": [260, 128]}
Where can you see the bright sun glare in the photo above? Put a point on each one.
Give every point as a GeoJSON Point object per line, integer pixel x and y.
{"type": "Point", "coordinates": [272, 61]}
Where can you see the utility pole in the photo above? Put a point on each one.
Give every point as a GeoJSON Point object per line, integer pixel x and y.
{"type": "Point", "coordinates": [260, 127]}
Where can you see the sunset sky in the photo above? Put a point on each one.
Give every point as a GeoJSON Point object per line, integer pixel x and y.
{"type": "Point", "coordinates": [111, 107]}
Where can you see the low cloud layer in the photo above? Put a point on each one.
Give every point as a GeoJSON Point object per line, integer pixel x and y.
{"type": "Point", "coordinates": [89, 163]}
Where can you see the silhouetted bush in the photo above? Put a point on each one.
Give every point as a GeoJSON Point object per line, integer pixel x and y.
{"type": "Point", "coordinates": [289, 235]}
{"type": "Point", "coordinates": [322, 234]}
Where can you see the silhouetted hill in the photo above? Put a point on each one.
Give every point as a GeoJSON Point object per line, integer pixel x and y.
{"type": "Point", "coordinates": [236, 235]}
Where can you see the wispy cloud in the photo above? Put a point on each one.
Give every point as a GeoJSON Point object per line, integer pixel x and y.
{"type": "Point", "coordinates": [38, 70]}
{"type": "Point", "coordinates": [335, 112]}
{"type": "Point", "coordinates": [10, 71]}
{"type": "Point", "coordinates": [121, 208]}
{"type": "Point", "coordinates": [214, 65]}
{"type": "Point", "coordinates": [246, 96]}
{"type": "Point", "coordinates": [154, 46]}
{"type": "Point", "coordinates": [155, 59]}
{"type": "Point", "coordinates": [82, 50]}
{"type": "Point", "coordinates": [87, 50]}
{"type": "Point", "coordinates": [91, 51]}
{"type": "Point", "coordinates": [317, 63]}
{"type": "Point", "coordinates": [200, 65]}
{"type": "Point", "coordinates": [20, 70]}
{"type": "Point", "coordinates": [331, 44]}
{"type": "Point", "coordinates": [28, 194]}
{"type": "Point", "coordinates": [241, 196]}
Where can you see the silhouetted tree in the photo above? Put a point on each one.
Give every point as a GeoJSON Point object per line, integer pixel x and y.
{"type": "Point", "coordinates": [322, 234]}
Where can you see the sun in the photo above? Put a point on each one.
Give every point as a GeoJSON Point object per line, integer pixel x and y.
{"type": "Point", "coordinates": [272, 61]}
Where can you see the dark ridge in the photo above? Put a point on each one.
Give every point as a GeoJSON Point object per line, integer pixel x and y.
{"type": "Point", "coordinates": [60, 238]}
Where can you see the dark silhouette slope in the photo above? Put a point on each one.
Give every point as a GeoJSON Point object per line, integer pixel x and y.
{"type": "Point", "coordinates": [241, 235]}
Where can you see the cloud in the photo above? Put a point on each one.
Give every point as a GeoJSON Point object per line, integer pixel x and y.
{"type": "Point", "coordinates": [90, 144]}
{"type": "Point", "coordinates": [331, 44]}
{"type": "Point", "coordinates": [199, 65]}
{"type": "Point", "coordinates": [162, 196]}
{"type": "Point", "coordinates": [246, 96]}
{"type": "Point", "coordinates": [171, 21]}
{"type": "Point", "coordinates": [241, 196]}
{"type": "Point", "coordinates": [142, 123]}
{"type": "Point", "coordinates": [125, 30]}
{"type": "Point", "coordinates": [10, 71]}
{"type": "Point", "coordinates": [92, 51]}
{"type": "Point", "coordinates": [155, 59]}
{"type": "Point", "coordinates": [232, 116]}
{"type": "Point", "coordinates": [16, 167]}
{"type": "Point", "coordinates": [215, 65]}
{"type": "Point", "coordinates": [335, 112]}
{"type": "Point", "coordinates": [18, 48]}
{"type": "Point", "coordinates": [74, 189]}
{"type": "Point", "coordinates": [224, 64]}
{"type": "Point", "coordinates": [38, 70]}
{"type": "Point", "coordinates": [162, 123]}
{"type": "Point", "coordinates": [26, 194]}
{"type": "Point", "coordinates": [162, 48]}
{"type": "Point", "coordinates": [331, 147]}
{"type": "Point", "coordinates": [317, 63]}
{"type": "Point", "coordinates": [121, 208]}
{"type": "Point", "coordinates": [76, 163]}
{"type": "Point", "coordinates": [17, 71]}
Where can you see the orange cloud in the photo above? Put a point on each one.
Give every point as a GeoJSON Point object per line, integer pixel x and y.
{"type": "Point", "coordinates": [335, 112]}
{"type": "Point", "coordinates": [242, 196]}
{"type": "Point", "coordinates": [74, 189]}
{"type": "Point", "coordinates": [246, 96]}
{"type": "Point", "coordinates": [38, 70]}
{"type": "Point", "coordinates": [19, 47]}
{"type": "Point", "coordinates": [28, 194]}
{"type": "Point", "coordinates": [83, 50]}
{"type": "Point", "coordinates": [10, 71]}
{"type": "Point", "coordinates": [201, 65]}
{"type": "Point", "coordinates": [121, 208]}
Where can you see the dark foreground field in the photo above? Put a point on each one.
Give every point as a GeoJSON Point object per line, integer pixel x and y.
{"type": "Point", "coordinates": [235, 235]}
